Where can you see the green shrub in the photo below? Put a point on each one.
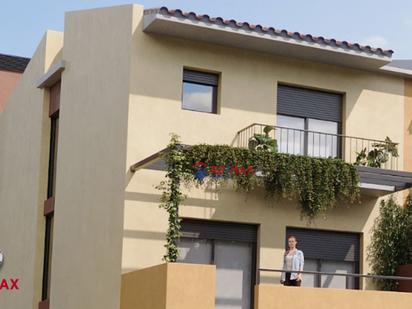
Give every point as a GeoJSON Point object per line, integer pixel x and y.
{"type": "Point", "coordinates": [391, 241]}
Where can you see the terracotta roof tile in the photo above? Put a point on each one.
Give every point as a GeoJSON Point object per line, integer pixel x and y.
{"type": "Point", "coordinates": [271, 31]}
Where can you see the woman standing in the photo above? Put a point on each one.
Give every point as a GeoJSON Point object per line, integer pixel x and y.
{"type": "Point", "coordinates": [293, 260]}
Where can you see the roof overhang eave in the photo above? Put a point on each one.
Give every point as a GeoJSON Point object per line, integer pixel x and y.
{"type": "Point", "coordinates": [196, 30]}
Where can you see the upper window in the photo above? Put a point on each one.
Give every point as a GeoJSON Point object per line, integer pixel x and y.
{"type": "Point", "coordinates": [200, 91]}
{"type": "Point", "coordinates": [308, 122]}
{"type": "Point", "coordinates": [307, 136]}
{"type": "Point", "coordinates": [328, 252]}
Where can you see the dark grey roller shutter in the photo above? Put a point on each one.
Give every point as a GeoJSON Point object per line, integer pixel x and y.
{"type": "Point", "coordinates": [200, 77]}
{"type": "Point", "coordinates": [300, 102]}
{"type": "Point", "coordinates": [219, 230]}
{"type": "Point", "coordinates": [326, 245]}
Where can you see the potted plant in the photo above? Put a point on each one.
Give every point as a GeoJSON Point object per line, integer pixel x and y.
{"type": "Point", "coordinates": [379, 155]}
{"type": "Point", "coordinates": [263, 141]}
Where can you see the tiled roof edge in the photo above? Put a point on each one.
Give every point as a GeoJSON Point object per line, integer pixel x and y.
{"type": "Point", "coordinates": [271, 31]}
{"type": "Point", "coordinates": [13, 63]}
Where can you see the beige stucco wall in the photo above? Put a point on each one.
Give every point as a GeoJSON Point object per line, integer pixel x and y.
{"type": "Point", "coordinates": [24, 144]}
{"type": "Point", "coordinates": [169, 286]}
{"type": "Point", "coordinates": [373, 108]}
{"type": "Point", "coordinates": [274, 297]}
{"type": "Point", "coordinates": [87, 247]}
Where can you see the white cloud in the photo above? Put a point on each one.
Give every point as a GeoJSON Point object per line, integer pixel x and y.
{"type": "Point", "coordinates": [408, 22]}
{"type": "Point", "coordinates": [375, 41]}
{"type": "Point", "coordinates": [200, 101]}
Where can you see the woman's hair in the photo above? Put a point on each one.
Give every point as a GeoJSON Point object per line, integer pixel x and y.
{"type": "Point", "coordinates": [292, 236]}
{"type": "Point", "coordinates": [287, 247]}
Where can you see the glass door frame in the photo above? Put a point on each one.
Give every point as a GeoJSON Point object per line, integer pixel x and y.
{"type": "Point", "coordinates": [318, 277]}
{"type": "Point", "coordinates": [254, 269]}
{"type": "Point", "coordinates": [339, 147]}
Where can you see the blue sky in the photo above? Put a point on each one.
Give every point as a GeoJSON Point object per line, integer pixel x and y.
{"type": "Point", "coordinates": [386, 24]}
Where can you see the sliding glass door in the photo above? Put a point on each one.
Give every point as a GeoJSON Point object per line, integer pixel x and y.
{"type": "Point", "coordinates": [307, 136]}
{"type": "Point", "coordinates": [329, 281]}
{"type": "Point", "coordinates": [308, 121]}
{"type": "Point", "coordinates": [290, 135]}
{"type": "Point", "coordinates": [207, 242]}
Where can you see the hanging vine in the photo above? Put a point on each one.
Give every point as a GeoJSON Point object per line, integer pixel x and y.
{"type": "Point", "coordinates": [317, 183]}
{"type": "Point", "coordinates": [172, 196]}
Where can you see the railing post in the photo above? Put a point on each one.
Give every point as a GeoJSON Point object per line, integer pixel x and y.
{"type": "Point", "coordinates": [305, 140]}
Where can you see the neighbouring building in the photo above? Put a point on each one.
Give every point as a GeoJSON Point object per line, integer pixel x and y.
{"type": "Point", "coordinates": [82, 229]}
{"type": "Point", "coordinates": [11, 68]}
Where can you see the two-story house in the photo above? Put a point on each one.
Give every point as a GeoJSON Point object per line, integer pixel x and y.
{"type": "Point", "coordinates": [81, 156]}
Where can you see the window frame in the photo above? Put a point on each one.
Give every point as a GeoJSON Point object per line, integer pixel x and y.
{"type": "Point", "coordinates": [356, 260]}
{"type": "Point", "coordinates": [286, 102]}
{"type": "Point", "coordinates": [210, 225]}
{"type": "Point", "coordinates": [318, 277]}
{"type": "Point", "coordinates": [306, 133]}
{"type": "Point", "coordinates": [215, 88]}
{"type": "Point", "coordinates": [54, 113]}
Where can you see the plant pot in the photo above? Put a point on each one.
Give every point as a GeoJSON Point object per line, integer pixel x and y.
{"type": "Point", "coordinates": [405, 271]}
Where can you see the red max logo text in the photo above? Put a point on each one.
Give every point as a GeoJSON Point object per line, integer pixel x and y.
{"type": "Point", "coordinates": [9, 284]}
{"type": "Point", "coordinates": [202, 169]}
{"type": "Point", "coordinates": [221, 169]}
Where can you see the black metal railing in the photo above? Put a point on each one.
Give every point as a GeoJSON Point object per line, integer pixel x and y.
{"type": "Point", "coordinates": [317, 144]}
{"type": "Point", "coordinates": [348, 276]}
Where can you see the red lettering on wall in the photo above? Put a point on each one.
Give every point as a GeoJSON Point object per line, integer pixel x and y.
{"type": "Point", "coordinates": [248, 170]}
{"type": "Point", "coordinates": [14, 284]}
{"type": "Point", "coordinates": [4, 284]}
{"type": "Point", "coordinates": [217, 169]}
{"type": "Point", "coordinates": [200, 164]}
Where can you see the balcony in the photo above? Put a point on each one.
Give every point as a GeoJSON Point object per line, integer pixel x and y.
{"type": "Point", "coordinates": [176, 285]}
{"type": "Point", "coordinates": [377, 177]}
{"type": "Point", "coordinates": [318, 144]}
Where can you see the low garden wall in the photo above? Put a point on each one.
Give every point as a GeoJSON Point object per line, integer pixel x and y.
{"type": "Point", "coordinates": [269, 296]}
{"type": "Point", "coordinates": [169, 286]}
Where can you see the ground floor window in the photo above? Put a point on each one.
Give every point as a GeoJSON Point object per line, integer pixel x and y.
{"type": "Point", "coordinates": [329, 281]}
{"type": "Point", "coordinates": [328, 252]}
{"type": "Point", "coordinates": [229, 246]}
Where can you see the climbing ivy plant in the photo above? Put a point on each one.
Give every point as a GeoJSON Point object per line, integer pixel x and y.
{"type": "Point", "coordinates": [172, 196]}
{"type": "Point", "coordinates": [317, 183]}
